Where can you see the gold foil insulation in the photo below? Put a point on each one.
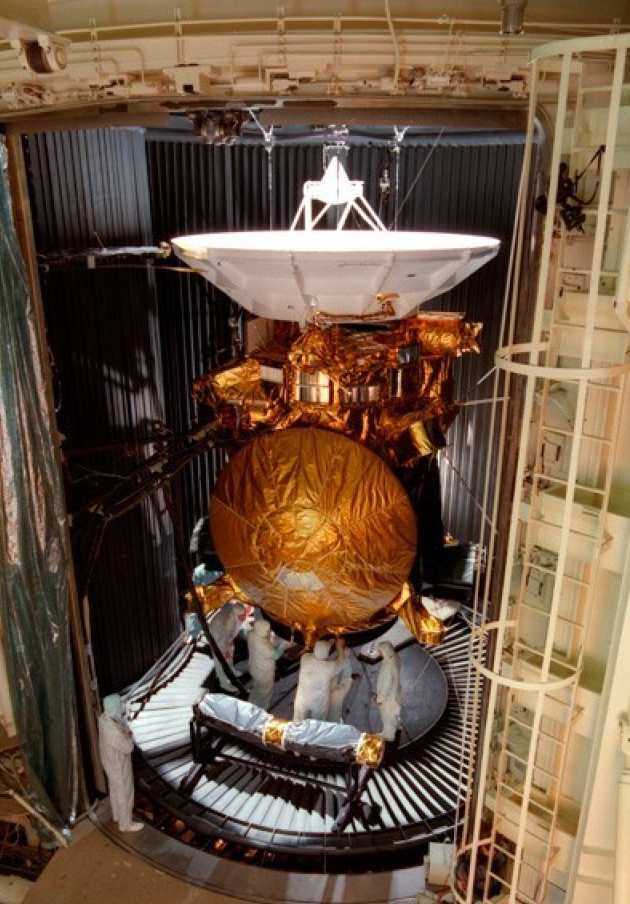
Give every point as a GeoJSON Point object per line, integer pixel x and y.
{"type": "Point", "coordinates": [239, 395]}
{"type": "Point", "coordinates": [370, 750]}
{"type": "Point", "coordinates": [215, 595]}
{"type": "Point", "coordinates": [310, 526]}
{"type": "Point", "coordinates": [354, 357]}
{"type": "Point", "coordinates": [426, 628]}
{"type": "Point", "coordinates": [238, 383]}
{"type": "Point", "coordinates": [274, 731]}
{"type": "Point", "coordinates": [313, 528]}
{"type": "Point", "coordinates": [389, 388]}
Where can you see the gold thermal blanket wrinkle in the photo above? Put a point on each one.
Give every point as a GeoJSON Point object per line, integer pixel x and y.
{"type": "Point", "coordinates": [314, 528]}
{"type": "Point", "coordinates": [426, 628]}
{"type": "Point", "coordinates": [390, 389]}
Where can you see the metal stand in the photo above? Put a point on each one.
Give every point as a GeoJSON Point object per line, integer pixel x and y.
{"type": "Point", "coordinates": [206, 744]}
{"type": "Point", "coordinates": [356, 783]}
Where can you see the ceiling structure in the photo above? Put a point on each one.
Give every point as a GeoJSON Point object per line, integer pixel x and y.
{"type": "Point", "coordinates": [64, 14]}
{"type": "Point", "coordinates": [147, 57]}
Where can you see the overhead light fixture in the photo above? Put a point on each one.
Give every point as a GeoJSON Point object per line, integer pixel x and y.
{"type": "Point", "coordinates": [45, 55]}
{"type": "Point", "coordinates": [512, 15]}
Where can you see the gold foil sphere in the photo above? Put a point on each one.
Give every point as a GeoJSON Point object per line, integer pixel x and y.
{"type": "Point", "coordinates": [314, 528]}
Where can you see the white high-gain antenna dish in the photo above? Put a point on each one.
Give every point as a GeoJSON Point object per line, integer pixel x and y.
{"type": "Point", "coordinates": [292, 274]}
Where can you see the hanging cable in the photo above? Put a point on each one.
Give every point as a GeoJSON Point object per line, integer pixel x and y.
{"type": "Point", "coordinates": [392, 31]}
{"type": "Point", "coordinates": [269, 150]}
{"type": "Point", "coordinates": [384, 188]}
{"type": "Point", "coordinates": [468, 489]}
{"type": "Point", "coordinates": [418, 174]}
{"type": "Point", "coordinates": [399, 135]}
{"type": "Point", "coordinates": [269, 145]}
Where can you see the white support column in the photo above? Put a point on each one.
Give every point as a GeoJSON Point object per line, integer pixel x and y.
{"type": "Point", "coordinates": [622, 858]}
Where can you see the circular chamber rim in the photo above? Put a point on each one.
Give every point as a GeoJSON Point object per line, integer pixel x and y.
{"type": "Point", "coordinates": [578, 45]}
{"type": "Point", "coordinates": [503, 360]}
{"type": "Point", "coordinates": [540, 687]}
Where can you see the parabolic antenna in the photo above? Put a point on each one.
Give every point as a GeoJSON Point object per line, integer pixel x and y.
{"type": "Point", "coordinates": [294, 274]}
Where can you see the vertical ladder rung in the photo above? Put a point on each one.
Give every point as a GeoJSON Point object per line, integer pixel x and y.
{"type": "Point", "coordinates": [533, 834]}
{"type": "Point", "coordinates": [503, 851]}
{"type": "Point", "coordinates": [523, 762]}
{"type": "Point", "coordinates": [565, 577]}
{"type": "Point", "coordinates": [560, 618]}
{"type": "Point", "coordinates": [562, 324]}
{"type": "Point", "coordinates": [588, 436]}
{"type": "Point", "coordinates": [531, 801]}
{"type": "Point", "coordinates": [572, 530]}
{"type": "Point", "coordinates": [541, 655]}
{"type": "Point", "coordinates": [541, 732]}
{"type": "Point", "coordinates": [499, 879]}
{"type": "Point", "coordinates": [610, 387]}
{"type": "Point", "coordinates": [560, 480]}
{"type": "Point", "coordinates": [586, 271]}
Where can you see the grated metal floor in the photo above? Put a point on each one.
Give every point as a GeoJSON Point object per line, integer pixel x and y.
{"type": "Point", "coordinates": [256, 799]}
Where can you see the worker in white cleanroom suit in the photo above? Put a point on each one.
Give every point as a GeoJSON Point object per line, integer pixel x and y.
{"type": "Point", "coordinates": [192, 627]}
{"type": "Point", "coordinates": [224, 627]}
{"type": "Point", "coordinates": [115, 744]}
{"type": "Point", "coordinates": [263, 653]}
{"type": "Point", "coordinates": [341, 684]}
{"type": "Point", "coordinates": [317, 672]}
{"type": "Point", "coordinates": [388, 693]}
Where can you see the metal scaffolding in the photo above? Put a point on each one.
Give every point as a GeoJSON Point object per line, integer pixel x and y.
{"type": "Point", "coordinates": [571, 376]}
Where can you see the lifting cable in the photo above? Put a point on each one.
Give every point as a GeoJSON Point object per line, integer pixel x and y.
{"type": "Point", "coordinates": [418, 174]}
{"type": "Point", "coordinates": [269, 146]}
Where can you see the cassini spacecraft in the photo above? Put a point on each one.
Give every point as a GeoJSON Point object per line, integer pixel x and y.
{"type": "Point", "coordinates": [322, 515]}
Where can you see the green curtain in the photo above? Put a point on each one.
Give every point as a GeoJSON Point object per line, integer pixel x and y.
{"type": "Point", "coordinates": [33, 548]}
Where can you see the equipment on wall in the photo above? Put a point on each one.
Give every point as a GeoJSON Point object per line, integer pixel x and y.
{"type": "Point", "coordinates": [567, 198]}
{"type": "Point", "coordinates": [219, 127]}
